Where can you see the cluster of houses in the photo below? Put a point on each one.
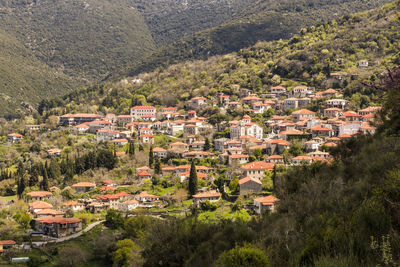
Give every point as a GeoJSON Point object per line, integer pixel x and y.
{"type": "Point", "coordinates": [248, 147]}
{"type": "Point", "coordinates": [54, 222]}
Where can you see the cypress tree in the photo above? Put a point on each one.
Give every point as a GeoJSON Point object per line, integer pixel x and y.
{"type": "Point", "coordinates": [132, 148]}
{"type": "Point", "coordinates": [151, 157]}
{"type": "Point", "coordinates": [21, 184]}
{"type": "Point", "coordinates": [207, 145]}
{"type": "Point", "coordinates": [44, 185]}
{"type": "Point", "coordinates": [157, 166]}
{"type": "Point", "coordinates": [192, 187]}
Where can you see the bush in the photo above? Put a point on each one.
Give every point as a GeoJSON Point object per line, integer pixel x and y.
{"type": "Point", "coordinates": [208, 206]}
{"type": "Point", "coordinates": [243, 256]}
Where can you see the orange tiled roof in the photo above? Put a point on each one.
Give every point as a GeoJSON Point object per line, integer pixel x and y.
{"type": "Point", "coordinates": [39, 194]}
{"type": "Point", "coordinates": [267, 200]}
{"type": "Point", "coordinates": [247, 179]}
{"type": "Point", "coordinates": [258, 165]}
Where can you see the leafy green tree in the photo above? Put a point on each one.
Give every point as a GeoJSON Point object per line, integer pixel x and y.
{"type": "Point", "coordinates": [234, 186]}
{"type": "Point", "coordinates": [296, 149]}
{"type": "Point", "coordinates": [243, 256]}
{"type": "Point", "coordinates": [193, 182]}
{"type": "Point", "coordinates": [136, 226]}
{"type": "Point", "coordinates": [258, 153]}
{"type": "Point", "coordinates": [114, 219]}
{"type": "Point", "coordinates": [23, 219]}
{"type": "Point", "coordinates": [125, 253]}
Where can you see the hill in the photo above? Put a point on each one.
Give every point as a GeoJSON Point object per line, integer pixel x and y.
{"type": "Point", "coordinates": [308, 58]}
{"type": "Point", "coordinates": [25, 80]}
{"type": "Point", "coordinates": [74, 43]}
{"type": "Point", "coordinates": [260, 21]}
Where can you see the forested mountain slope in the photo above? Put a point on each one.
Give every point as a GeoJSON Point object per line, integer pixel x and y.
{"type": "Point", "coordinates": [308, 58]}
{"type": "Point", "coordinates": [262, 20]}
{"type": "Point", "coordinates": [88, 40]}
{"type": "Point", "coordinates": [25, 79]}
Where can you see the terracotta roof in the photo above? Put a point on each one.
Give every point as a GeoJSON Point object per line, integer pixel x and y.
{"type": "Point", "coordinates": [146, 135]}
{"type": "Point", "coordinates": [14, 135]}
{"type": "Point", "coordinates": [267, 200]}
{"type": "Point", "coordinates": [50, 212]}
{"type": "Point", "coordinates": [302, 158]}
{"type": "Point", "coordinates": [291, 132]}
{"type": "Point", "coordinates": [303, 111]}
{"type": "Point", "coordinates": [143, 173]}
{"type": "Point", "coordinates": [258, 165]}
{"type": "Point", "coordinates": [59, 220]}
{"type": "Point", "coordinates": [84, 184]}
{"type": "Point", "coordinates": [39, 194]}
{"type": "Point", "coordinates": [107, 188]}
{"type": "Point", "coordinates": [7, 242]}
{"type": "Point", "coordinates": [159, 149]}
{"type": "Point", "coordinates": [275, 157]}
{"type": "Point", "coordinates": [40, 205]}
{"type": "Point", "coordinates": [247, 179]}
{"type": "Point", "coordinates": [279, 142]}
{"type": "Point", "coordinates": [143, 107]}
{"type": "Point", "coordinates": [119, 140]}
{"type": "Point", "coordinates": [81, 115]}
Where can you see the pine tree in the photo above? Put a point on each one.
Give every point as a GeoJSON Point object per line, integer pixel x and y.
{"type": "Point", "coordinates": [192, 187]}
{"type": "Point", "coordinates": [207, 145]}
{"type": "Point", "coordinates": [157, 166]}
{"type": "Point", "coordinates": [151, 157]}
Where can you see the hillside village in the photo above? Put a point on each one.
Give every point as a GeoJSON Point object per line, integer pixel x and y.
{"type": "Point", "coordinates": [263, 146]}
{"type": "Point", "coordinates": [275, 131]}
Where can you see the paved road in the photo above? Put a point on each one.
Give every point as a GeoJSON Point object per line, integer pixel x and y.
{"type": "Point", "coordinates": [66, 238]}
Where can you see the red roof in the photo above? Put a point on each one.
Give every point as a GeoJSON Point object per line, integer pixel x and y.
{"type": "Point", "coordinates": [15, 135]}
{"type": "Point", "coordinates": [40, 205]}
{"type": "Point", "coordinates": [143, 173]}
{"type": "Point", "coordinates": [84, 184]}
{"type": "Point", "coordinates": [303, 111]}
{"type": "Point", "coordinates": [267, 200]}
{"type": "Point", "coordinates": [39, 194]}
{"type": "Point", "coordinates": [247, 179]}
{"type": "Point", "coordinates": [146, 135]}
{"type": "Point", "coordinates": [59, 220]}
{"type": "Point", "coordinates": [7, 242]}
{"type": "Point", "coordinates": [143, 107]}
{"type": "Point", "coordinates": [50, 212]}
{"type": "Point", "coordinates": [258, 165]}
